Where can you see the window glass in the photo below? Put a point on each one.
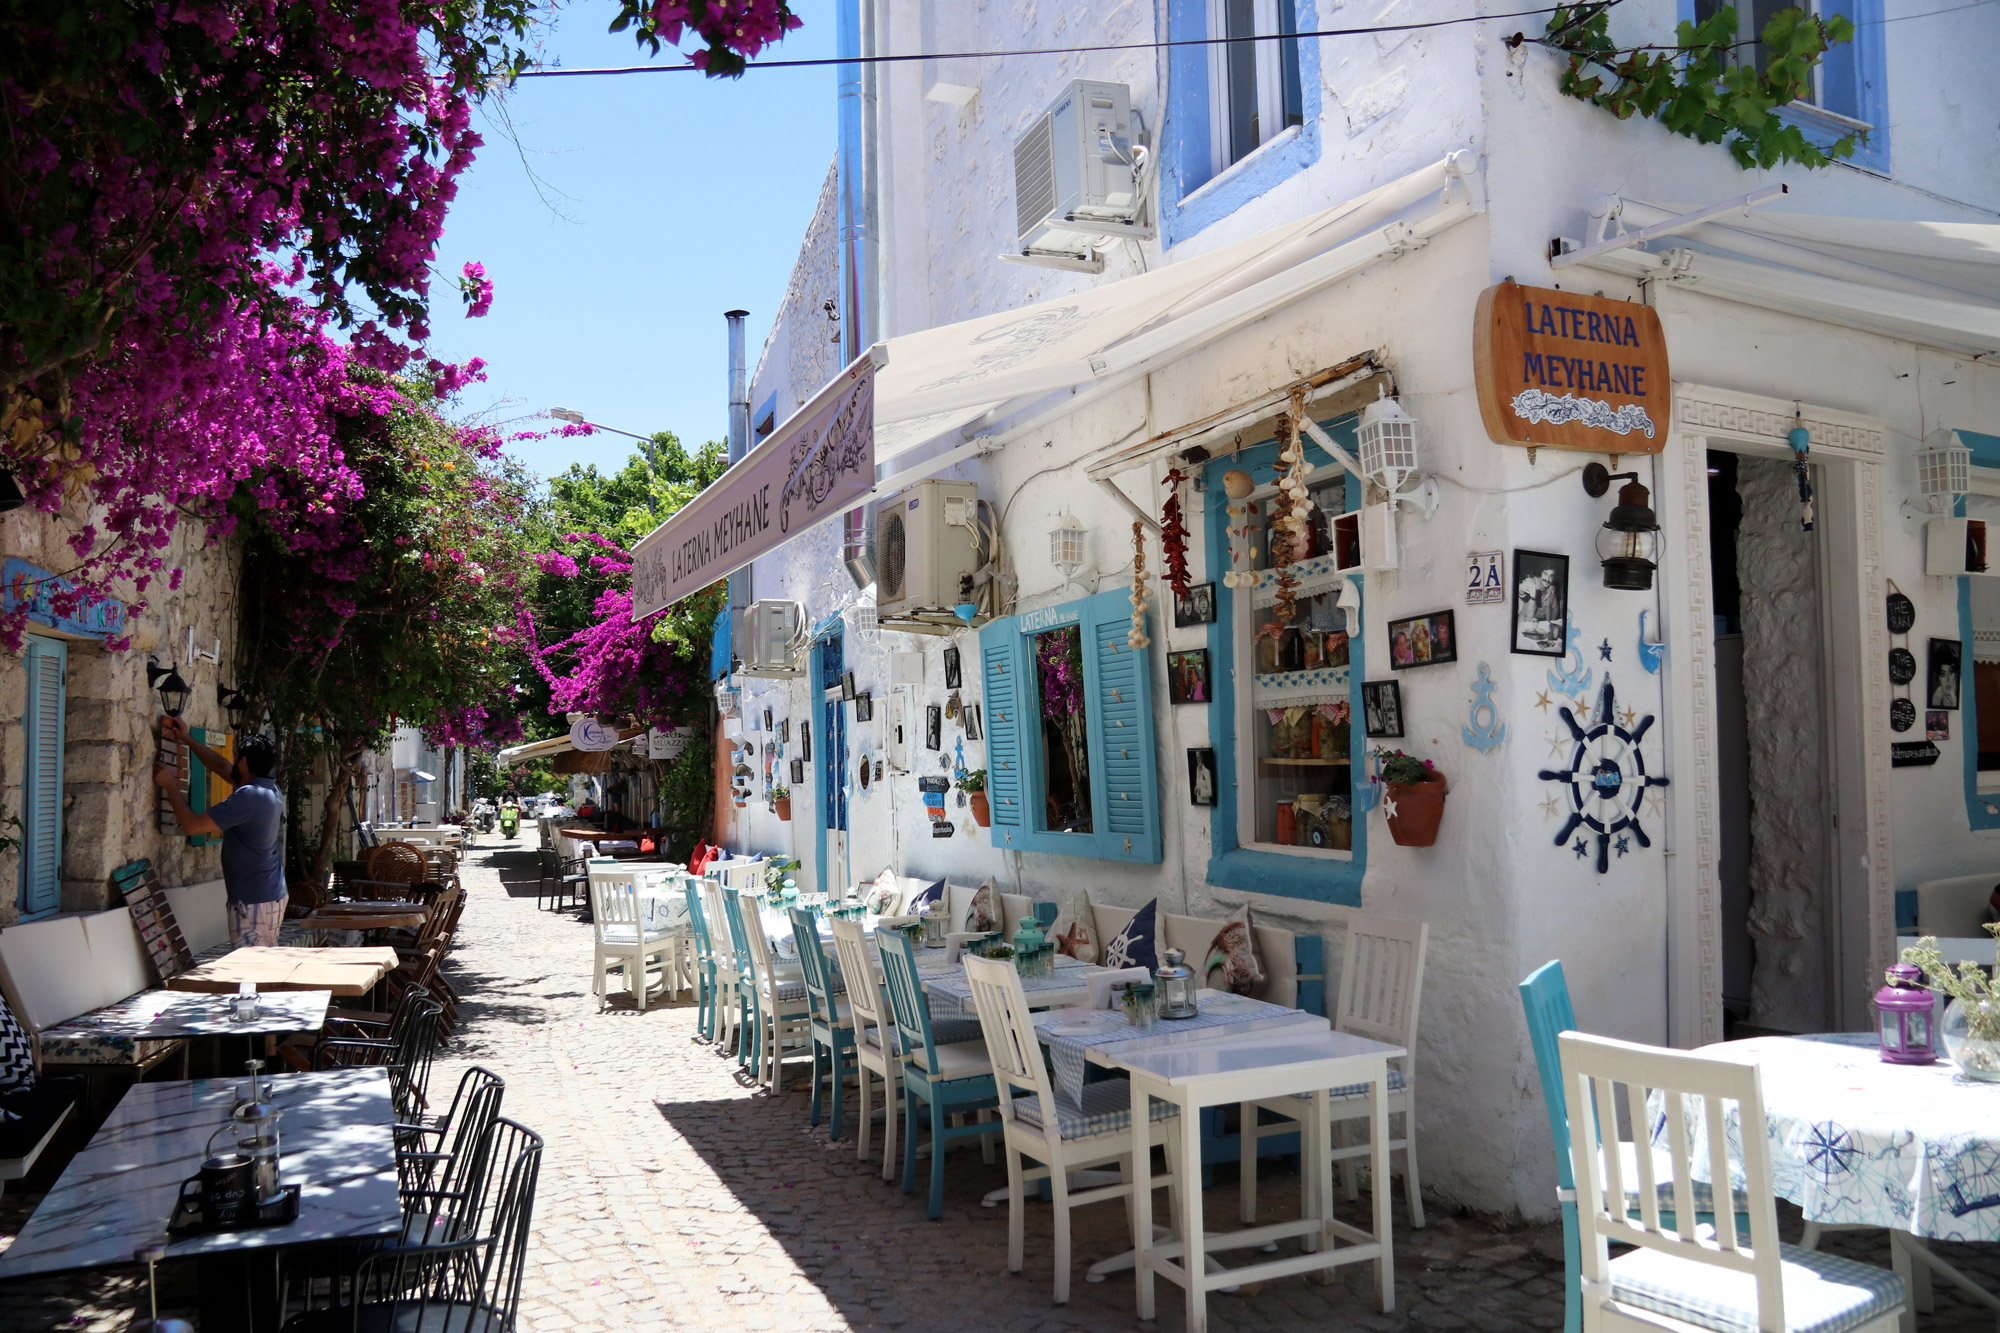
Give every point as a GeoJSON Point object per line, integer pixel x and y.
{"type": "Point", "coordinates": [1065, 730]}
{"type": "Point", "coordinates": [1257, 92]}
{"type": "Point", "coordinates": [1984, 648]}
{"type": "Point", "coordinates": [1838, 95]}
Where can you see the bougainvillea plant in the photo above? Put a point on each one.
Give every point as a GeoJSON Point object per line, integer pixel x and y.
{"type": "Point", "coordinates": [733, 31]}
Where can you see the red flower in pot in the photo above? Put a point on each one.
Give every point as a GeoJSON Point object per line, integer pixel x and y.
{"type": "Point", "coordinates": [1414, 794]}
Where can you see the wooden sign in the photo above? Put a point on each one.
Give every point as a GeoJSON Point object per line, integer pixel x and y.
{"type": "Point", "coordinates": [1568, 371]}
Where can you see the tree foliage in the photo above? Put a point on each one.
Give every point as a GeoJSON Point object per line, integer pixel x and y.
{"type": "Point", "coordinates": [1697, 87]}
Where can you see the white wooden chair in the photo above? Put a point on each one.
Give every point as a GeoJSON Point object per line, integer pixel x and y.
{"type": "Point", "coordinates": [1698, 1278]}
{"type": "Point", "coordinates": [875, 1046]}
{"type": "Point", "coordinates": [729, 998]}
{"type": "Point", "coordinates": [783, 1018]}
{"type": "Point", "coordinates": [623, 945]}
{"type": "Point", "coordinates": [1040, 1125]}
{"type": "Point", "coordinates": [1381, 989]}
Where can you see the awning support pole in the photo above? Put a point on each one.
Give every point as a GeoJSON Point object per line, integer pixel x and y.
{"type": "Point", "coordinates": [1671, 227]}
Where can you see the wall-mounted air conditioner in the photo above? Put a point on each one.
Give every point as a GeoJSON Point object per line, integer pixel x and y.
{"type": "Point", "coordinates": [768, 636]}
{"type": "Point", "coordinates": [924, 545]}
{"type": "Point", "coordinates": [1080, 178]}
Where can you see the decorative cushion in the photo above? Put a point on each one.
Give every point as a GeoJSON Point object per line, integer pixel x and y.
{"type": "Point", "coordinates": [881, 894]}
{"type": "Point", "coordinates": [984, 914]}
{"type": "Point", "coordinates": [1359, 1089]}
{"type": "Point", "coordinates": [1235, 960]}
{"type": "Point", "coordinates": [1823, 1292]}
{"type": "Point", "coordinates": [1073, 938]}
{"type": "Point", "coordinates": [944, 1031]}
{"type": "Point", "coordinates": [1105, 1108]}
{"type": "Point", "coordinates": [101, 1048]}
{"type": "Point", "coordinates": [796, 990]}
{"type": "Point", "coordinates": [1137, 944]}
{"type": "Point", "coordinates": [17, 1053]}
{"type": "Point", "coordinates": [925, 900]}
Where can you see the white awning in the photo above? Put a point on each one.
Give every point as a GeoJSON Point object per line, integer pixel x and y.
{"type": "Point", "coordinates": [520, 754]}
{"type": "Point", "coordinates": [1936, 283]}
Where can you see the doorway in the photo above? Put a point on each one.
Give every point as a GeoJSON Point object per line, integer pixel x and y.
{"type": "Point", "coordinates": [830, 843]}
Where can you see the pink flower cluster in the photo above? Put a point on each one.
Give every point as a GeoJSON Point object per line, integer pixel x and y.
{"type": "Point", "coordinates": [615, 665]}
{"type": "Point", "coordinates": [476, 288]}
{"type": "Point", "coordinates": [733, 29]}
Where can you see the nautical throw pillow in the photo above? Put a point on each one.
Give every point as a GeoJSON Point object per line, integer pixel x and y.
{"type": "Point", "coordinates": [880, 898]}
{"type": "Point", "coordinates": [984, 914]}
{"type": "Point", "coordinates": [1235, 960]}
{"type": "Point", "coordinates": [1136, 945]}
{"type": "Point", "coordinates": [927, 899]}
{"type": "Point", "coordinates": [17, 1054]}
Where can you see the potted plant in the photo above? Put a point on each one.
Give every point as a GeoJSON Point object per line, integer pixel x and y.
{"type": "Point", "coordinates": [973, 783]}
{"type": "Point", "coordinates": [781, 801]}
{"type": "Point", "coordinates": [1413, 797]}
{"type": "Point", "coordinates": [1971, 1023]}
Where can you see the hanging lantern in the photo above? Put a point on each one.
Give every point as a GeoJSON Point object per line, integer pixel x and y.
{"type": "Point", "coordinates": [173, 690]}
{"type": "Point", "coordinates": [1066, 545]}
{"type": "Point", "coordinates": [1944, 469]}
{"type": "Point", "coordinates": [1908, 1015]}
{"type": "Point", "coordinates": [1388, 439]}
{"type": "Point", "coordinates": [1628, 544]}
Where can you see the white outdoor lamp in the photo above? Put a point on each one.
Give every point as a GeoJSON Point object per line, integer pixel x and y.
{"type": "Point", "coordinates": [1066, 546]}
{"type": "Point", "coordinates": [1388, 439]}
{"type": "Point", "coordinates": [1944, 470]}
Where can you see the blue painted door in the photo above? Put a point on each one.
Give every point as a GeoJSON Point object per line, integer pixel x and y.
{"type": "Point", "coordinates": [46, 661]}
{"type": "Point", "coordinates": [831, 840]}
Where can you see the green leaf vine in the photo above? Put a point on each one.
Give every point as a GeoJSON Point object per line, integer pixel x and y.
{"type": "Point", "coordinates": [1695, 88]}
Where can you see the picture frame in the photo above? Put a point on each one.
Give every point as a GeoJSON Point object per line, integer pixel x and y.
{"type": "Point", "coordinates": [798, 772]}
{"type": "Point", "coordinates": [1540, 626]}
{"type": "Point", "coordinates": [1188, 681]}
{"type": "Point", "coordinates": [769, 725]}
{"type": "Point", "coordinates": [1203, 782]}
{"type": "Point", "coordinates": [864, 707]}
{"type": "Point", "coordinates": [975, 723]}
{"type": "Point", "coordinates": [785, 730]}
{"type": "Point", "coordinates": [1197, 608]}
{"type": "Point", "coordinates": [1382, 709]}
{"type": "Point", "coordinates": [1430, 639]}
{"type": "Point", "coordinates": [1937, 724]}
{"type": "Point", "coordinates": [806, 741]}
{"type": "Point", "coordinates": [847, 686]}
{"type": "Point", "coordinates": [953, 666]}
{"type": "Point", "coordinates": [933, 727]}
{"type": "Point", "coordinates": [1943, 681]}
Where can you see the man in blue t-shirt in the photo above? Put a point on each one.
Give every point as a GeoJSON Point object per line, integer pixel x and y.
{"type": "Point", "coordinates": [251, 823]}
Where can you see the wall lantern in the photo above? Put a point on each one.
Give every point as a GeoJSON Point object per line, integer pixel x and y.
{"type": "Point", "coordinates": [1066, 546]}
{"type": "Point", "coordinates": [173, 690]}
{"type": "Point", "coordinates": [232, 702]}
{"type": "Point", "coordinates": [1629, 541]}
{"type": "Point", "coordinates": [1944, 470]}
{"type": "Point", "coordinates": [1387, 437]}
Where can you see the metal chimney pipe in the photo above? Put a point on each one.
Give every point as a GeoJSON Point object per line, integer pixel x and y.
{"type": "Point", "coordinates": [854, 179]}
{"type": "Point", "coordinates": [739, 387]}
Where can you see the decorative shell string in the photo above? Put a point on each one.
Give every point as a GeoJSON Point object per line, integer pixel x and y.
{"type": "Point", "coordinates": [1137, 638]}
{"type": "Point", "coordinates": [1291, 525]}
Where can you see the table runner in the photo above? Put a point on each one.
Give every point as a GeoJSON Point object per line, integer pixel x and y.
{"type": "Point", "coordinates": [1914, 1147]}
{"type": "Point", "coordinates": [951, 994]}
{"type": "Point", "coordinates": [1071, 1035]}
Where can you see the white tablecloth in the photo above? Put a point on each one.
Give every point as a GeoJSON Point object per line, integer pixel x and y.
{"type": "Point", "coordinates": [1914, 1147]}
{"type": "Point", "coordinates": [1073, 1035]}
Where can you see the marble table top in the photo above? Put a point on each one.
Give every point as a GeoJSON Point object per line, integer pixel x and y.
{"type": "Point", "coordinates": [342, 971]}
{"type": "Point", "coordinates": [117, 1194]}
{"type": "Point", "coordinates": [166, 1013]}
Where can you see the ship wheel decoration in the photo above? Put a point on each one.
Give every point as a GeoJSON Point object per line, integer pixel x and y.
{"type": "Point", "coordinates": [1607, 779]}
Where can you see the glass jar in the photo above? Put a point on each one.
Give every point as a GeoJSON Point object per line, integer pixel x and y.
{"type": "Point", "coordinates": [1972, 1038]}
{"type": "Point", "coordinates": [1267, 655]}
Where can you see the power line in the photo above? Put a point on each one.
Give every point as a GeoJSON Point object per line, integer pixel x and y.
{"type": "Point", "coordinates": [1064, 50]}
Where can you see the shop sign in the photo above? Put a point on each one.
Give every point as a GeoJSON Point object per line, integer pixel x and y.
{"type": "Point", "coordinates": [587, 733]}
{"type": "Point", "coordinates": [31, 586]}
{"type": "Point", "coordinates": [1912, 754]}
{"type": "Point", "coordinates": [818, 464]}
{"type": "Point", "coordinates": [668, 742]}
{"type": "Point", "coordinates": [1568, 371]}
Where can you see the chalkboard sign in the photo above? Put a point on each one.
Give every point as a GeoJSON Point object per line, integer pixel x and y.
{"type": "Point", "coordinates": [943, 829]}
{"type": "Point", "coordinates": [1912, 754]}
{"type": "Point", "coordinates": [933, 784]}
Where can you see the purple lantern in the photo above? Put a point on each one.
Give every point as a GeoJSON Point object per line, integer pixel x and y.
{"type": "Point", "coordinates": [1908, 1015]}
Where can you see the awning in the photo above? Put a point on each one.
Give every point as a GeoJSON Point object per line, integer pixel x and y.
{"type": "Point", "coordinates": [1044, 360]}
{"type": "Point", "coordinates": [520, 754]}
{"type": "Point", "coordinates": [1935, 283]}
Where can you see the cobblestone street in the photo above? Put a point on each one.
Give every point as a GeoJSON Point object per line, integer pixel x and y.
{"type": "Point", "coordinates": [673, 1196]}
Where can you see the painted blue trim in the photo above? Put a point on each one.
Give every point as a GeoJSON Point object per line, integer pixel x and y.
{"type": "Point", "coordinates": [1192, 194]}
{"type": "Point", "coordinates": [1230, 865]}
{"type": "Point", "coordinates": [769, 408]}
{"type": "Point", "coordinates": [721, 649]}
{"type": "Point", "coordinates": [1986, 454]}
{"type": "Point", "coordinates": [831, 760]}
{"type": "Point", "coordinates": [42, 782]}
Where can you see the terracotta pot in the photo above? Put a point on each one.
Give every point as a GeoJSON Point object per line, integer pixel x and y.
{"type": "Point", "coordinates": [981, 814]}
{"type": "Point", "coordinates": [1419, 810]}
{"type": "Point", "coordinates": [784, 808]}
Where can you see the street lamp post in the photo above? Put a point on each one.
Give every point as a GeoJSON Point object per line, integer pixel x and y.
{"type": "Point", "coordinates": [576, 418]}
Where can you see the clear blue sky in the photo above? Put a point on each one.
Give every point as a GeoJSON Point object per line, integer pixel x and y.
{"type": "Point", "coordinates": [670, 198]}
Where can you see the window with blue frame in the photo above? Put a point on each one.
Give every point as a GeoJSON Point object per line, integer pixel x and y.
{"type": "Point", "coordinates": [46, 662]}
{"type": "Point", "coordinates": [1848, 94]}
{"type": "Point", "coordinates": [1069, 732]}
{"type": "Point", "coordinates": [1979, 639]}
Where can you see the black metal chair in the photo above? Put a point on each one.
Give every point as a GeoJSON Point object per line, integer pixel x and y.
{"type": "Point", "coordinates": [432, 1151]}
{"type": "Point", "coordinates": [405, 1049]}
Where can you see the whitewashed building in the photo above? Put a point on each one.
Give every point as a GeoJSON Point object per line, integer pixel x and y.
{"type": "Point", "coordinates": [1321, 217]}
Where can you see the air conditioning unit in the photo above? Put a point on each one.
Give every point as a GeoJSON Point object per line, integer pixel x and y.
{"type": "Point", "coordinates": [1080, 178]}
{"type": "Point", "coordinates": [768, 636]}
{"type": "Point", "coordinates": [924, 545]}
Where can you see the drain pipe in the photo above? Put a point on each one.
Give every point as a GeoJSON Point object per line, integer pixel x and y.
{"type": "Point", "coordinates": [740, 593]}
{"type": "Point", "coordinates": [857, 255]}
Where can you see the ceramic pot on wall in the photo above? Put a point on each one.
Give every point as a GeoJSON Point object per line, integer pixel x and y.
{"type": "Point", "coordinates": [1419, 810]}
{"type": "Point", "coordinates": [982, 814]}
{"type": "Point", "coordinates": [784, 805]}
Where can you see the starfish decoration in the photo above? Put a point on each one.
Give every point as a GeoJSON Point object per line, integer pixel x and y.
{"type": "Point", "coordinates": [1388, 804]}
{"type": "Point", "coordinates": [1604, 650]}
{"type": "Point", "coordinates": [1656, 804]}
{"type": "Point", "coordinates": [1543, 702]}
{"type": "Point", "coordinates": [1551, 807]}
{"type": "Point", "coordinates": [1622, 845]}
{"type": "Point", "coordinates": [1557, 744]}
{"type": "Point", "coordinates": [1581, 850]}
{"type": "Point", "coordinates": [1629, 718]}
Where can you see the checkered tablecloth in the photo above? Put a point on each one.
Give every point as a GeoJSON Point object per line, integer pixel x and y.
{"type": "Point", "coordinates": [950, 994]}
{"type": "Point", "coordinates": [1071, 1036]}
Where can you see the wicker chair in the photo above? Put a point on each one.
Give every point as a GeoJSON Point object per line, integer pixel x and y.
{"type": "Point", "coordinates": [398, 863]}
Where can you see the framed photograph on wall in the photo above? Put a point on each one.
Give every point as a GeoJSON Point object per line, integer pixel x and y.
{"type": "Point", "coordinates": [847, 686]}
{"type": "Point", "coordinates": [864, 707]}
{"type": "Point", "coordinates": [952, 668]}
{"type": "Point", "coordinates": [1197, 608]}
{"type": "Point", "coordinates": [1187, 677]}
{"type": "Point", "coordinates": [806, 741]}
{"type": "Point", "coordinates": [975, 723]}
{"type": "Point", "coordinates": [1945, 682]}
{"type": "Point", "coordinates": [1202, 782]}
{"type": "Point", "coordinates": [798, 772]}
{"type": "Point", "coordinates": [1541, 604]}
{"type": "Point", "coordinates": [933, 727]}
{"type": "Point", "coordinates": [1382, 709]}
{"type": "Point", "coordinates": [1426, 640]}
{"type": "Point", "coordinates": [768, 724]}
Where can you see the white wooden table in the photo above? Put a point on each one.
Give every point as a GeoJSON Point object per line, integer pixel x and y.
{"type": "Point", "coordinates": [1197, 1075]}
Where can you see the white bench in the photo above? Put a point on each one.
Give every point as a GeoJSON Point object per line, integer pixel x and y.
{"type": "Point", "coordinates": [1954, 907]}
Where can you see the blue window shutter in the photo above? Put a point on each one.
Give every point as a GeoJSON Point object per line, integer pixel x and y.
{"type": "Point", "coordinates": [1118, 691]}
{"type": "Point", "coordinates": [1003, 680]}
{"type": "Point", "coordinates": [46, 661]}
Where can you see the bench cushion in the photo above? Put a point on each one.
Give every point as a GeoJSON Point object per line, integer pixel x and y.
{"type": "Point", "coordinates": [17, 1054]}
{"type": "Point", "coordinates": [63, 1046]}
{"type": "Point", "coordinates": [202, 913]}
{"type": "Point", "coordinates": [49, 976]}
{"type": "Point", "coordinates": [29, 1118]}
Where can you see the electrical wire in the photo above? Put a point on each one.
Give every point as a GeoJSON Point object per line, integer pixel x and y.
{"type": "Point", "coordinates": [1415, 26]}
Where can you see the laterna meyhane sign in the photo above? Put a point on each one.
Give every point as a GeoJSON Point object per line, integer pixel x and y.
{"type": "Point", "coordinates": [1570, 371]}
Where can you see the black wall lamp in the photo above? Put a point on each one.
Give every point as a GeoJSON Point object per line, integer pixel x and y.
{"type": "Point", "coordinates": [173, 690]}
{"type": "Point", "coordinates": [233, 703]}
{"type": "Point", "coordinates": [1629, 542]}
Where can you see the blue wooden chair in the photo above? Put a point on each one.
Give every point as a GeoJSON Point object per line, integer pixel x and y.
{"type": "Point", "coordinates": [704, 963]}
{"type": "Point", "coordinates": [832, 1029]}
{"type": "Point", "coordinates": [750, 1019]}
{"type": "Point", "coordinates": [952, 1079]}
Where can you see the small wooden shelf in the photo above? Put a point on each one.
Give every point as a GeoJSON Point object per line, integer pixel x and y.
{"type": "Point", "coordinates": [1268, 761]}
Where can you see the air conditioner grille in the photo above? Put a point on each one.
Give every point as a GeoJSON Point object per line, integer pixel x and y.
{"type": "Point", "coordinates": [1035, 175]}
{"type": "Point", "coordinates": [892, 558]}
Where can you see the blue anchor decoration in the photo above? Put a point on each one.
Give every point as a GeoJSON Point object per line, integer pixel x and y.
{"type": "Point", "coordinates": [958, 773]}
{"type": "Point", "coordinates": [1483, 736]}
{"type": "Point", "coordinates": [1572, 680]}
{"type": "Point", "coordinates": [1651, 652]}
{"type": "Point", "coordinates": [1606, 779]}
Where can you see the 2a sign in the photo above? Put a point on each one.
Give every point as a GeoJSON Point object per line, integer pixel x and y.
{"type": "Point", "coordinates": [1567, 371]}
